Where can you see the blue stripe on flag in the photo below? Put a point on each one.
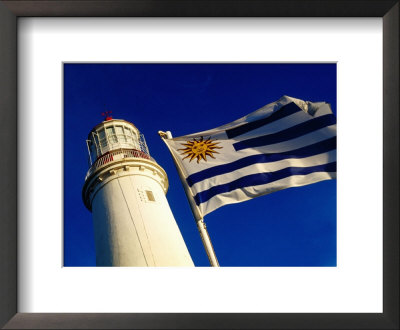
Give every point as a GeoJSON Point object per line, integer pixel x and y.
{"type": "Point", "coordinates": [261, 178]}
{"type": "Point", "coordinates": [310, 150]}
{"type": "Point", "coordinates": [285, 111]}
{"type": "Point", "coordinates": [287, 134]}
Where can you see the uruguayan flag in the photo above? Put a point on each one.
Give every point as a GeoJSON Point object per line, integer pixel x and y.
{"type": "Point", "coordinates": [288, 143]}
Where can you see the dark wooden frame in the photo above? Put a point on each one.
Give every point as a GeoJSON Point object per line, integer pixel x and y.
{"type": "Point", "coordinates": [9, 13]}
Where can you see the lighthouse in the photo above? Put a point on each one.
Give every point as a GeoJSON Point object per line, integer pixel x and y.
{"type": "Point", "coordinates": [125, 191]}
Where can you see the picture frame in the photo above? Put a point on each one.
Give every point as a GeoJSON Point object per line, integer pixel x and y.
{"type": "Point", "coordinates": [9, 13]}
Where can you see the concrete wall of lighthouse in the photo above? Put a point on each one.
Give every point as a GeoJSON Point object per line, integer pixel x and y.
{"type": "Point", "coordinates": [132, 229]}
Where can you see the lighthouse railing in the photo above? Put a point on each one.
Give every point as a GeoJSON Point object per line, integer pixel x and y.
{"type": "Point", "coordinates": [117, 155]}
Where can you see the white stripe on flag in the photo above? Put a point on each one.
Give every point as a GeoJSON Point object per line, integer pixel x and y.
{"type": "Point", "coordinates": [320, 159]}
{"type": "Point", "coordinates": [244, 194]}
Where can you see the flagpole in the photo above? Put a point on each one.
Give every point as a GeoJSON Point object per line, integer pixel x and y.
{"type": "Point", "coordinates": [201, 226]}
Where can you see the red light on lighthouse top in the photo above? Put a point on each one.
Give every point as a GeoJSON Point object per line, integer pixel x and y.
{"type": "Point", "coordinates": [107, 114]}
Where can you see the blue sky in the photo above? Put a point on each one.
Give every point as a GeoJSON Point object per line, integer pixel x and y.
{"type": "Point", "coordinates": [292, 227]}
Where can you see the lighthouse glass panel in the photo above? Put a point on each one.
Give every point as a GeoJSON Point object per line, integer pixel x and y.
{"type": "Point", "coordinates": [120, 134]}
{"type": "Point", "coordinates": [97, 143]}
{"type": "Point", "coordinates": [93, 153]}
{"type": "Point", "coordinates": [112, 138]}
{"type": "Point", "coordinates": [102, 138]}
{"type": "Point", "coordinates": [132, 138]}
{"type": "Point", "coordinates": [128, 134]}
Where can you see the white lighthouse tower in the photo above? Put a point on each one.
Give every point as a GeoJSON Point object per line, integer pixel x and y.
{"type": "Point", "coordinates": [125, 191]}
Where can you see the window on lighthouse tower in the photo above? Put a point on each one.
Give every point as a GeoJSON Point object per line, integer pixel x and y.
{"type": "Point", "coordinates": [120, 134]}
{"type": "Point", "coordinates": [102, 138]}
{"type": "Point", "coordinates": [112, 138]}
{"type": "Point", "coordinates": [94, 146]}
{"type": "Point", "coordinates": [150, 196]}
{"type": "Point", "coordinates": [132, 138]}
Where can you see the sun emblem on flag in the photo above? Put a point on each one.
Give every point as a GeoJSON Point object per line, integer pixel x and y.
{"type": "Point", "coordinates": [199, 149]}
